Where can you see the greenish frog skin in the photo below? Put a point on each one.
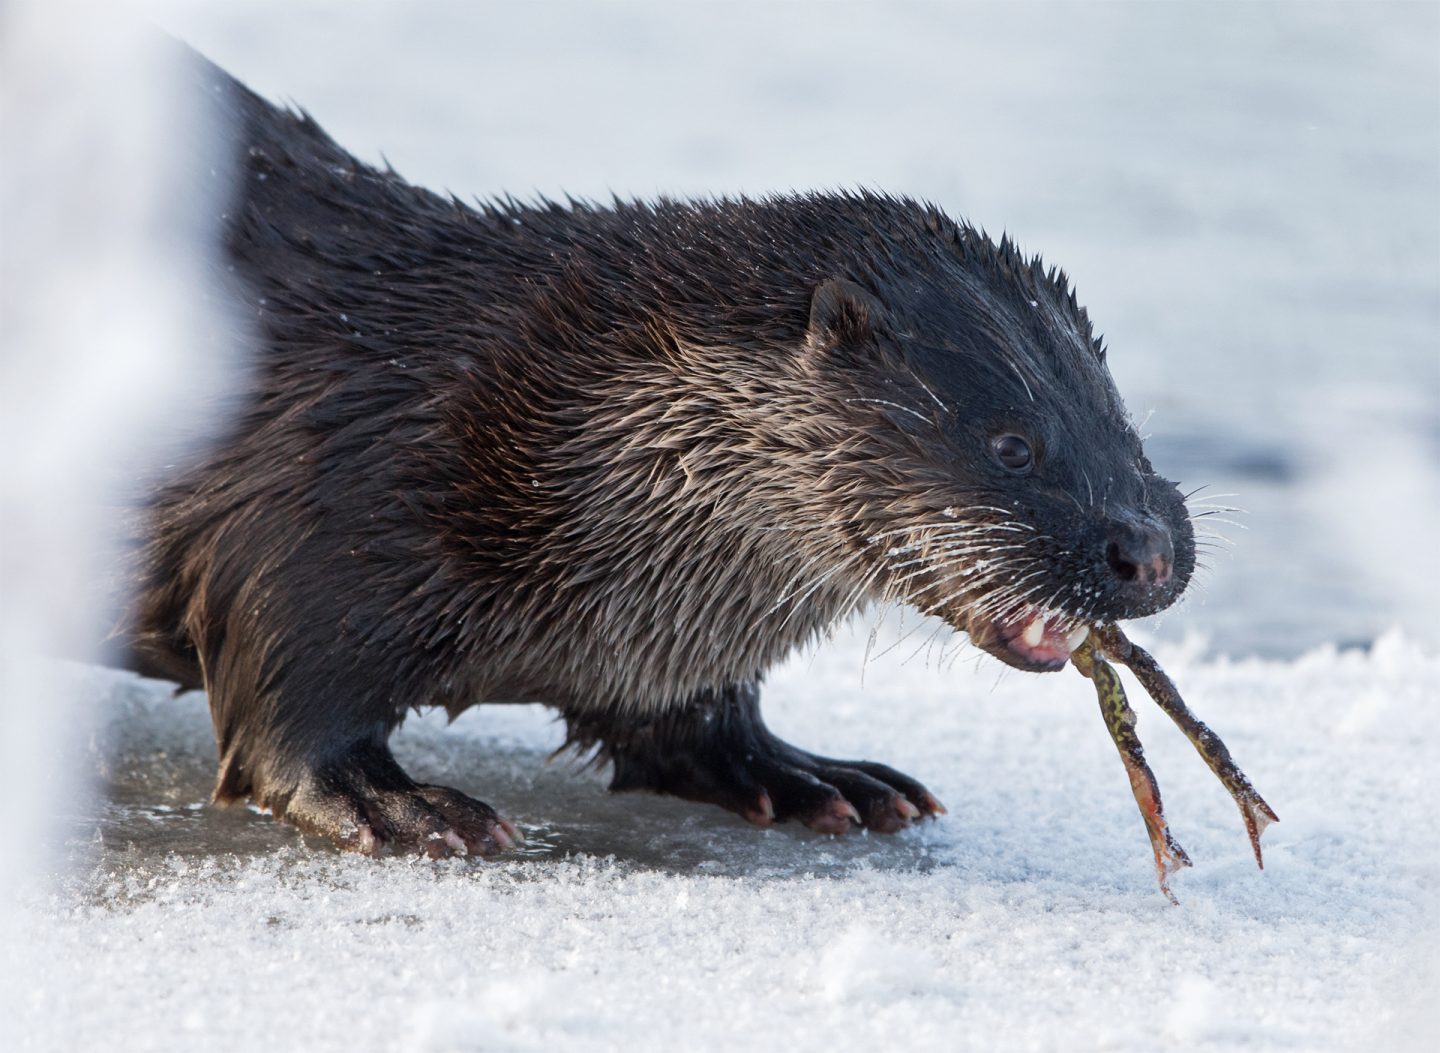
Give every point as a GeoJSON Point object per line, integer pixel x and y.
{"type": "Point", "coordinates": [1090, 659]}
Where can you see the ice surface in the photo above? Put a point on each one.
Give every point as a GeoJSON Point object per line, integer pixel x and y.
{"type": "Point", "coordinates": [1027, 918]}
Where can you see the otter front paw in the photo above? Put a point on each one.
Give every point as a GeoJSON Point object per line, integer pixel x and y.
{"type": "Point", "coordinates": [828, 796]}
{"type": "Point", "coordinates": [716, 748]}
{"type": "Point", "coordinates": [375, 809]}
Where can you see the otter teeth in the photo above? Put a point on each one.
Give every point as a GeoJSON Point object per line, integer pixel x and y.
{"type": "Point", "coordinates": [1035, 631]}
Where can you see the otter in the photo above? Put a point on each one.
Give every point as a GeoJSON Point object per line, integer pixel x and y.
{"type": "Point", "coordinates": [618, 459]}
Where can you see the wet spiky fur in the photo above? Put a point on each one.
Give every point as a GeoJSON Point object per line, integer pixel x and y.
{"type": "Point", "coordinates": [609, 458]}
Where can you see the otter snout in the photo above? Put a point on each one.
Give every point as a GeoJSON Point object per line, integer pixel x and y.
{"type": "Point", "coordinates": [1140, 555]}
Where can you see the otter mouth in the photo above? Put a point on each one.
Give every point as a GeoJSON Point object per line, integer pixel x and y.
{"type": "Point", "coordinates": [1032, 639]}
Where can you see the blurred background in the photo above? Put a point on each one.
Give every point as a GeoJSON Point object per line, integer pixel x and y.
{"type": "Point", "coordinates": [1246, 195]}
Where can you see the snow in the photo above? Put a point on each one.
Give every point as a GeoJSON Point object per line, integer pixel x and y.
{"type": "Point", "coordinates": [1028, 918]}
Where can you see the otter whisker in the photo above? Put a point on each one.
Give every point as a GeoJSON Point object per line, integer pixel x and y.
{"type": "Point", "coordinates": [926, 388]}
{"type": "Point", "coordinates": [977, 550]}
{"type": "Point", "coordinates": [953, 525]}
{"type": "Point", "coordinates": [798, 582]}
{"type": "Point", "coordinates": [852, 599]}
{"type": "Point", "coordinates": [922, 544]}
{"type": "Point", "coordinates": [790, 588]}
{"type": "Point", "coordinates": [1016, 598]}
{"type": "Point", "coordinates": [1214, 517]}
{"type": "Point", "coordinates": [896, 406]}
{"type": "Point", "coordinates": [974, 609]}
{"type": "Point", "coordinates": [871, 640]}
{"type": "Point", "coordinates": [1213, 513]}
{"type": "Point", "coordinates": [931, 558]}
{"type": "Point", "coordinates": [1014, 573]}
{"type": "Point", "coordinates": [951, 577]}
{"type": "Point", "coordinates": [978, 573]}
{"type": "Point", "coordinates": [1009, 362]}
{"type": "Point", "coordinates": [970, 542]}
{"type": "Point", "coordinates": [820, 580]}
{"type": "Point", "coordinates": [963, 651]}
{"type": "Point", "coordinates": [1006, 599]}
{"type": "Point", "coordinates": [796, 595]}
{"type": "Point", "coordinates": [1049, 603]}
{"type": "Point", "coordinates": [927, 644]}
{"type": "Point", "coordinates": [905, 635]}
{"type": "Point", "coordinates": [900, 640]}
{"type": "Point", "coordinates": [1212, 540]}
{"type": "Point", "coordinates": [1006, 512]}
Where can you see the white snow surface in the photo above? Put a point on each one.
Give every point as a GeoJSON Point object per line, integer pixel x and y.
{"type": "Point", "coordinates": [1027, 918]}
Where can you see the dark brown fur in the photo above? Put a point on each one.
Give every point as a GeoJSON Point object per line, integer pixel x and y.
{"type": "Point", "coordinates": [619, 460]}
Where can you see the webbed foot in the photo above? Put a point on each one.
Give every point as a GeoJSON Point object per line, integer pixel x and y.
{"type": "Point", "coordinates": [717, 749]}
{"type": "Point", "coordinates": [365, 803]}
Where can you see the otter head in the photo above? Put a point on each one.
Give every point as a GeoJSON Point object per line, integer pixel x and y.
{"type": "Point", "coordinates": [1001, 485]}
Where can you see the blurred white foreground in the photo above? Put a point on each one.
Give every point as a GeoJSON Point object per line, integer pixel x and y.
{"type": "Point", "coordinates": [99, 320]}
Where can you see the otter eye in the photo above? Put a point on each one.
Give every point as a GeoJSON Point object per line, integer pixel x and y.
{"type": "Point", "coordinates": [1012, 451]}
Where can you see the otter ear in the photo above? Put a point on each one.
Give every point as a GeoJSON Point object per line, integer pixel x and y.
{"type": "Point", "coordinates": [841, 314]}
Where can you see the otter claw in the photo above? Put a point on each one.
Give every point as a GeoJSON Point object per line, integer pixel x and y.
{"type": "Point", "coordinates": [364, 841]}
{"type": "Point", "coordinates": [762, 813]}
{"type": "Point", "coordinates": [515, 835]}
{"type": "Point", "coordinates": [835, 817]}
{"type": "Point", "coordinates": [449, 843]}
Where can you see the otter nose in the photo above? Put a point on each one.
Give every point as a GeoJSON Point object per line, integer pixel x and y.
{"type": "Point", "coordinates": [1139, 552]}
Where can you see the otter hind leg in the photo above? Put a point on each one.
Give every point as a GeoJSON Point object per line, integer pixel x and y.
{"type": "Point", "coordinates": [364, 802]}
{"type": "Point", "coordinates": [716, 748]}
{"type": "Point", "coordinates": [303, 733]}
